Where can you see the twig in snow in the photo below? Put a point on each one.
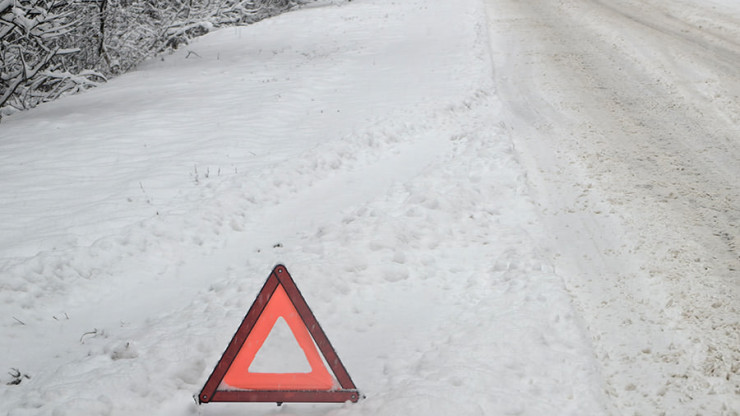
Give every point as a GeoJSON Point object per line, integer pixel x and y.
{"type": "Point", "coordinates": [94, 333]}
{"type": "Point", "coordinates": [17, 377]}
{"type": "Point", "coordinates": [65, 317]}
{"type": "Point", "coordinates": [19, 321]}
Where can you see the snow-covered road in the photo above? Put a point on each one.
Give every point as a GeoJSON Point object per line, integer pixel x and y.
{"type": "Point", "coordinates": [627, 114]}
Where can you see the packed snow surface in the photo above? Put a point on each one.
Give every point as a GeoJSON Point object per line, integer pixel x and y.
{"type": "Point", "coordinates": [627, 117]}
{"type": "Point", "coordinates": [493, 207]}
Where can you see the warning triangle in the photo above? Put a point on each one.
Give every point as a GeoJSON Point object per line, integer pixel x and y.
{"type": "Point", "coordinates": [234, 379]}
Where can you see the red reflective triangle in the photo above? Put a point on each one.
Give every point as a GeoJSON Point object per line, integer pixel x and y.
{"type": "Point", "coordinates": [231, 380]}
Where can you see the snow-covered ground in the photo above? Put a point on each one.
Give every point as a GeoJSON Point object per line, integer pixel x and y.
{"type": "Point", "coordinates": [493, 207]}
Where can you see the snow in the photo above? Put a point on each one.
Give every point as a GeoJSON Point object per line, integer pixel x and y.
{"type": "Point", "coordinates": [625, 115]}
{"type": "Point", "coordinates": [479, 214]}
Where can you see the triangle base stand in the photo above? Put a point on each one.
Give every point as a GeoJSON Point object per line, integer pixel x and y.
{"type": "Point", "coordinates": [284, 396]}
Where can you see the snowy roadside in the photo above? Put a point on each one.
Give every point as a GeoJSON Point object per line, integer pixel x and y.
{"type": "Point", "coordinates": [358, 143]}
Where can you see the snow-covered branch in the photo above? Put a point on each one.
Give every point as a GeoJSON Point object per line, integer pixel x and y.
{"type": "Point", "coordinates": [52, 47]}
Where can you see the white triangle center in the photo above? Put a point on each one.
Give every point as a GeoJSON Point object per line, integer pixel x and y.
{"type": "Point", "coordinates": [280, 352]}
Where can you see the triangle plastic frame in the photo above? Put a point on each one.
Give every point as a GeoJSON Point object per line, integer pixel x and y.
{"type": "Point", "coordinates": [346, 391]}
